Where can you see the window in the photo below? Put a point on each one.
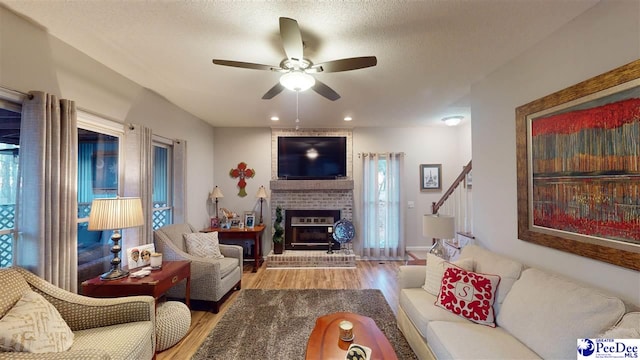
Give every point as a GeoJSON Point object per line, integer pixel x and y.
{"type": "Point", "coordinates": [98, 177]}
{"type": "Point", "coordinates": [9, 155]}
{"type": "Point", "coordinates": [162, 185]}
{"type": "Point", "coordinates": [382, 218]}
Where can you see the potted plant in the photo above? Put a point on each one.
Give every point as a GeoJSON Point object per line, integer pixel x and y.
{"type": "Point", "coordinates": [278, 232]}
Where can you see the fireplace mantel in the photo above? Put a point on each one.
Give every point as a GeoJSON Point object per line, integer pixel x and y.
{"type": "Point", "coordinates": [291, 185]}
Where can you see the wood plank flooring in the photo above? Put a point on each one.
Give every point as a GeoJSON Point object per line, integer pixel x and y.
{"type": "Point", "coordinates": [367, 275]}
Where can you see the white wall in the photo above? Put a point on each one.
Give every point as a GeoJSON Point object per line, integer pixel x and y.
{"type": "Point", "coordinates": [252, 146]}
{"type": "Point", "coordinates": [603, 38]}
{"type": "Point", "coordinates": [426, 145]}
{"type": "Point", "coordinates": [31, 59]}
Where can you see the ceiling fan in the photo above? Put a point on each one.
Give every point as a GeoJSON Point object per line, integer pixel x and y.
{"type": "Point", "coordinates": [296, 69]}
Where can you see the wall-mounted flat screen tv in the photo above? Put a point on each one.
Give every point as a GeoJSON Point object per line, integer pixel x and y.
{"type": "Point", "coordinates": [312, 157]}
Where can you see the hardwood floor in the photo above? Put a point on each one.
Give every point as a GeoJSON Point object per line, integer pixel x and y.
{"type": "Point", "coordinates": [367, 275]}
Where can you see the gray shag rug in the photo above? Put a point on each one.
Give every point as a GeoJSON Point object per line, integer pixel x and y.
{"type": "Point", "coordinates": [276, 324]}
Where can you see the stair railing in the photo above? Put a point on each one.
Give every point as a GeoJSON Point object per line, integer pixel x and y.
{"type": "Point", "coordinates": [456, 202]}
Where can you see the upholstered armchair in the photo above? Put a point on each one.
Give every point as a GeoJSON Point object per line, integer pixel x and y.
{"type": "Point", "coordinates": [116, 328]}
{"type": "Point", "coordinates": [212, 280]}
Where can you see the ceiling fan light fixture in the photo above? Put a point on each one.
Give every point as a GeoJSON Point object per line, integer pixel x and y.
{"type": "Point", "coordinates": [297, 80]}
{"type": "Point", "coordinates": [312, 153]}
{"type": "Point", "coordinates": [452, 120]}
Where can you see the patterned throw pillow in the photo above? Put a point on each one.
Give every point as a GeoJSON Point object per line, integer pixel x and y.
{"type": "Point", "coordinates": [435, 270]}
{"type": "Point", "coordinates": [34, 325]}
{"type": "Point", "coordinates": [468, 294]}
{"type": "Point", "coordinates": [204, 245]}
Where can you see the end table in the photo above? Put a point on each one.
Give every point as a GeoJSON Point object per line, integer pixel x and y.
{"type": "Point", "coordinates": [155, 284]}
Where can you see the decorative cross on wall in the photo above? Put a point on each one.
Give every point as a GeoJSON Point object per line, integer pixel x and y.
{"type": "Point", "coordinates": [242, 172]}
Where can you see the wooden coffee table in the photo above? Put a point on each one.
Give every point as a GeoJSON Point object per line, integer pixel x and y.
{"type": "Point", "coordinates": [324, 342]}
{"type": "Point", "coordinates": [155, 284]}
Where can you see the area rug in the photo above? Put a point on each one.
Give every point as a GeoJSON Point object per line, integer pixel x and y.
{"type": "Point", "coordinates": [276, 324]}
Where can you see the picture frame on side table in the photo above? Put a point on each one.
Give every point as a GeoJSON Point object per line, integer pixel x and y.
{"type": "Point", "coordinates": [430, 177]}
{"type": "Point", "coordinates": [578, 163]}
{"type": "Point", "coordinates": [249, 220]}
{"type": "Point", "coordinates": [234, 223]}
{"type": "Point", "coordinates": [139, 255]}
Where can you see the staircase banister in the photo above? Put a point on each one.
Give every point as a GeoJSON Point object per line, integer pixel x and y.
{"type": "Point", "coordinates": [435, 206]}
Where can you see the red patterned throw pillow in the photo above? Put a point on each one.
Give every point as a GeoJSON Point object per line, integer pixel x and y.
{"type": "Point", "coordinates": [468, 294]}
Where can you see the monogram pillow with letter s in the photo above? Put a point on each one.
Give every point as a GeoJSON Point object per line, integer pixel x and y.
{"type": "Point", "coordinates": [468, 294]}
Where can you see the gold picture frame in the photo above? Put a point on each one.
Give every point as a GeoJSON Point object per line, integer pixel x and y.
{"type": "Point", "coordinates": [565, 143]}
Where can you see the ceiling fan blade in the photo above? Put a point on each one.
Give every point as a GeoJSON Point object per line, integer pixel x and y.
{"type": "Point", "coordinates": [346, 64]}
{"type": "Point", "coordinates": [291, 38]}
{"type": "Point", "coordinates": [245, 65]}
{"type": "Point", "coordinates": [324, 90]}
{"type": "Point", "coordinates": [275, 90]}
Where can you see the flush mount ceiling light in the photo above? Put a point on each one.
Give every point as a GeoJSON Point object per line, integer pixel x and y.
{"type": "Point", "coordinates": [348, 118]}
{"type": "Point", "coordinates": [275, 118]}
{"type": "Point", "coordinates": [452, 120]}
{"type": "Point", "coordinates": [297, 80]}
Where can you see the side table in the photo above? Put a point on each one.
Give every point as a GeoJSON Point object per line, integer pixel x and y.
{"type": "Point", "coordinates": [254, 233]}
{"type": "Point", "coordinates": [155, 284]}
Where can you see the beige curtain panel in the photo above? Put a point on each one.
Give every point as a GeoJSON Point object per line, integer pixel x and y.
{"type": "Point", "coordinates": [47, 198]}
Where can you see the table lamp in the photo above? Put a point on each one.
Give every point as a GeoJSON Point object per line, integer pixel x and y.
{"type": "Point", "coordinates": [262, 194]}
{"type": "Point", "coordinates": [115, 214]}
{"type": "Point", "coordinates": [438, 227]}
{"type": "Point", "coordinates": [216, 194]}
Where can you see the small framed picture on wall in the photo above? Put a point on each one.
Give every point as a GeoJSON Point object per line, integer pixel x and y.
{"type": "Point", "coordinates": [430, 177]}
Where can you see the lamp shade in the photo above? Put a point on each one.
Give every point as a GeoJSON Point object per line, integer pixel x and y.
{"type": "Point", "coordinates": [216, 193]}
{"type": "Point", "coordinates": [438, 226]}
{"type": "Point", "coordinates": [115, 213]}
{"type": "Point", "coordinates": [297, 80]}
{"type": "Point", "coordinates": [262, 193]}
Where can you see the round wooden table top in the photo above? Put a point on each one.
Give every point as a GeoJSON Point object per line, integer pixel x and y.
{"type": "Point", "coordinates": [325, 343]}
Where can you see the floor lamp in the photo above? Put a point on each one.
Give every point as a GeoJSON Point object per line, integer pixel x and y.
{"type": "Point", "coordinates": [262, 194]}
{"type": "Point", "coordinates": [438, 227]}
{"type": "Point", "coordinates": [216, 194]}
{"type": "Point", "coordinates": [115, 214]}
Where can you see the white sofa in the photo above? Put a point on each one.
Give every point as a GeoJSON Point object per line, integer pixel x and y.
{"type": "Point", "coordinates": [538, 314]}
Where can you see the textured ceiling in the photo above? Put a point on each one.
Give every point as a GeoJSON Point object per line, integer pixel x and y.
{"type": "Point", "coordinates": [429, 52]}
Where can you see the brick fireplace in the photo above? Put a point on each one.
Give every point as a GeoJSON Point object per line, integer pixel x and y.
{"type": "Point", "coordinates": [313, 195]}
{"type": "Point", "coordinates": [335, 196]}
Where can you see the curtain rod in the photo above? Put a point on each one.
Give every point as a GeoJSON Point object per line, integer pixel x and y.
{"type": "Point", "coordinates": [16, 92]}
{"type": "Point", "coordinates": [90, 112]}
{"type": "Point", "coordinates": [370, 153]}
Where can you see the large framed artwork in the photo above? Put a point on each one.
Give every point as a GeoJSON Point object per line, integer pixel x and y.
{"type": "Point", "coordinates": [578, 163]}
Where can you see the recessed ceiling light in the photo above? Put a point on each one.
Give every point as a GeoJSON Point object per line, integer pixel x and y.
{"type": "Point", "coordinates": [348, 118]}
{"type": "Point", "coordinates": [275, 118]}
{"type": "Point", "coordinates": [453, 120]}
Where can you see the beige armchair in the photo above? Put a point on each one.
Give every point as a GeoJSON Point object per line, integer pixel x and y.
{"type": "Point", "coordinates": [212, 280]}
{"type": "Point", "coordinates": [116, 328]}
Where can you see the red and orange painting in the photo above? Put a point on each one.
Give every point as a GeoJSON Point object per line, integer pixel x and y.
{"type": "Point", "coordinates": [585, 162]}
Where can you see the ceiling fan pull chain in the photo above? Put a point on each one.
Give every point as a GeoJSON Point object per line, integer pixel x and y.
{"type": "Point", "coordinates": [297, 116]}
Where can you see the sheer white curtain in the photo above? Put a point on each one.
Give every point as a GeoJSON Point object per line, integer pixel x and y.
{"type": "Point", "coordinates": [138, 182]}
{"type": "Point", "coordinates": [383, 220]}
{"type": "Point", "coordinates": [179, 181]}
{"type": "Point", "coordinates": [47, 196]}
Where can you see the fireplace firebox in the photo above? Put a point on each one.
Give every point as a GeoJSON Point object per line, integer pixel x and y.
{"type": "Point", "coordinates": [310, 229]}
